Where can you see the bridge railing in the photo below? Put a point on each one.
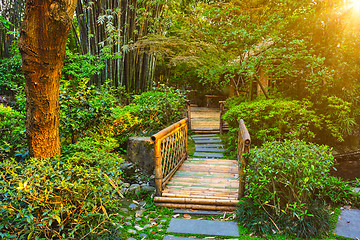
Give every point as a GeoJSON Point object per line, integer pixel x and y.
{"type": "Point", "coordinates": [244, 142]}
{"type": "Point", "coordinates": [170, 150]}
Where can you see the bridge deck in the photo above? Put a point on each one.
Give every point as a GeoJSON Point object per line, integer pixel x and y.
{"type": "Point", "coordinates": [203, 183]}
{"type": "Point", "coordinates": [205, 119]}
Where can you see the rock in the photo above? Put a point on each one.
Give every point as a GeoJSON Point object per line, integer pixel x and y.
{"type": "Point", "coordinates": [124, 209]}
{"type": "Point", "coordinates": [131, 238]}
{"type": "Point", "coordinates": [147, 189]}
{"type": "Point", "coordinates": [140, 150]}
{"type": "Point", "coordinates": [139, 213]}
{"type": "Point", "coordinates": [128, 218]}
{"type": "Point", "coordinates": [134, 188]}
{"type": "Point", "coordinates": [138, 227]}
{"type": "Point", "coordinates": [137, 219]}
{"type": "Point", "coordinates": [126, 185]}
{"type": "Point", "coordinates": [133, 206]}
{"type": "Point", "coordinates": [147, 226]}
{"type": "Point", "coordinates": [142, 203]}
{"type": "Point", "coordinates": [143, 235]}
{"type": "Point", "coordinates": [132, 231]}
{"type": "Point", "coordinates": [127, 223]}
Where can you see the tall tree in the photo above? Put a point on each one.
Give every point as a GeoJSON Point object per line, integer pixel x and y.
{"type": "Point", "coordinates": [42, 45]}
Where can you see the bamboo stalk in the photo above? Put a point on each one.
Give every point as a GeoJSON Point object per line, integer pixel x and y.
{"type": "Point", "coordinates": [158, 168]}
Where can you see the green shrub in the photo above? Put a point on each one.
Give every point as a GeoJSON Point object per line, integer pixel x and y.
{"type": "Point", "coordinates": [282, 182]}
{"type": "Point", "coordinates": [61, 198]}
{"type": "Point", "coordinates": [83, 107]}
{"type": "Point", "coordinates": [273, 119]}
{"type": "Point", "coordinates": [159, 109]}
{"type": "Point", "coordinates": [11, 76]}
{"type": "Point", "coordinates": [12, 131]}
{"type": "Point", "coordinates": [329, 121]}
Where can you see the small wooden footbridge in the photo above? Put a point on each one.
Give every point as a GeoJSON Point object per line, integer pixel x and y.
{"type": "Point", "coordinates": [207, 180]}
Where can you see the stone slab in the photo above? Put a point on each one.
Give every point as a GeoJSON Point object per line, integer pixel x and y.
{"type": "Point", "coordinates": [208, 155]}
{"type": "Point", "coordinates": [357, 190]}
{"type": "Point", "coordinates": [204, 227]}
{"type": "Point", "coordinates": [206, 138]}
{"type": "Point", "coordinates": [209, 145]}
{"type": "Point", "coordinates": [197, 212]}
{"type": "Point", "coordinates": [348, 224]}
{"type": "Point", "coordinates": [140, 150]}
{"type": "Point", "coordinates": [180, 238]}
{"type": "Point", "coordinates": [203, 135]}
{"type": "Point", "coordinates": [206, 141]}
{"type": "Point", "coordinates": [218, 150]}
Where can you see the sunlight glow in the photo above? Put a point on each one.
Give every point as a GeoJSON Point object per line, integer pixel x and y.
{"type": "Point", "coordinates": [355, 4]}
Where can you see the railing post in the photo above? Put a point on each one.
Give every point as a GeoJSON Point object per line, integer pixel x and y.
{"type": "Point", "coordinates": [158, 167]}
{"type": "Point", "coordinates": [188, 113]}
{"type": "Point", "coordinates": [221, 114]}
{"type": "Point", "coordinates": [244, 142]}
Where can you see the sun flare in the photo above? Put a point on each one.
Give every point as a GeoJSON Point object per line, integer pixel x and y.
{"type": "Point", "coordinates": [355, 4]}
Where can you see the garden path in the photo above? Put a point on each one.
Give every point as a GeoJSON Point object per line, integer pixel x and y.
{"type": "Point", "coordinates": [205, 120]}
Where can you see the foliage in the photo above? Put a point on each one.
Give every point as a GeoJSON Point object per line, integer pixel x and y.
{"type": "Point", "coordinates": [281, 181]}
{"type": "Point", "coordinates": [60, 198]}
{"type": "Point", "coordinates": [12, 131]}
{"type": "Point", "coordinates": [83, 107]}
{"type": "Point", "coordinates": [330, 120]}
{"type": "Point", "coordinates": [11, 76]}
{"type": "Point", "coordinates": [158, 108]}
{"type": "Point", "coordinates": [81, 66]}
{"type": "Point", "coordinates": [274, 119]}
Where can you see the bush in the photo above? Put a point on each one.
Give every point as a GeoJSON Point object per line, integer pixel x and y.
{"type": "Point", "coordinates": [158, 109]}
{"type": "Point", "coordinates": [273, 119]}
{"type": "Point", "coordinates": [83, 107]}
{"type": "Point", "coordinates": [11, 76]}
{"type": "Point", "coordinates": [327, 122]}
{"type": "Point", "coordinates": [12, 131]}
{"type": "Point", "coordinates": [282, 182]}
{"type": "Point", "coordinates": [61, 198]}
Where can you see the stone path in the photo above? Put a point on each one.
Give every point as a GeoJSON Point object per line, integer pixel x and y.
{"type": "Point", "coordinates": [207, 146]}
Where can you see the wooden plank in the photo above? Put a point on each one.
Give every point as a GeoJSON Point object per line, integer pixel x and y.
{"type": "Point", "coordinates": [194, 206]}
{"type": "Point", "coordinates": [190, 195]}
{"type": "Point", "coordinates": [202, 201]}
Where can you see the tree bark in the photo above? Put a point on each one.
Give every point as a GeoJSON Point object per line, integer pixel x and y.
{"type": "Point", "coordinates": [42, 46]}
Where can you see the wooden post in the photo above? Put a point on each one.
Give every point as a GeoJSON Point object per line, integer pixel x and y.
{"type": "Point", "coordinates": [221, 114]}
{"type": "Point", "coordinates": [158, 167]}
{"type": "Point", "coordinates": [188, 113]}
{"type": "Point", "coordinates": [244, 142]}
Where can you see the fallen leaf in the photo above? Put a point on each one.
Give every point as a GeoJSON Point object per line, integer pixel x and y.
{"type": "Point", "coordinates": [187, 216]}
{"type": "Point", "coordinates": [136, 202]}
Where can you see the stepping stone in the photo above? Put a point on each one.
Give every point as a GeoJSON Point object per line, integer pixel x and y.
{"type": "Point", "coordinates": [197, 212]}
{"type": "Point", "coordinates": [204, 135]}
{"type": "Point", "coordinates": [218, 150]}
{"type": "Point", "coordinates": [207, 138]}
{"type": "Point", "coordinates": [348, 224]}
{"type": "Point", "coordinates": [204, 227]}
{"type": "Point", "coordinates": [180, 238]}
{"type": "Point", "coordinates": [207, 141]}
{"type": "Point", "coordinates": [209, 145]}
{"type": "Point", "coordinates": [208, 155]}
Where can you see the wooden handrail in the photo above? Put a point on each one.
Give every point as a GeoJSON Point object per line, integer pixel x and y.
{"type": "Point", "coordinates": [244, 142]}
{"type": "Point", "coordinates": [170, 150]}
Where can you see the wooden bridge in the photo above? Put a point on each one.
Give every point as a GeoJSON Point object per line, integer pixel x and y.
{"type": "Point", "coordinates": [206, 181]}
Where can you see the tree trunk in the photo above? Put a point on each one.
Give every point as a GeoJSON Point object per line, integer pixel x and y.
{"type": "Point", "coordinates": [42, 45]}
